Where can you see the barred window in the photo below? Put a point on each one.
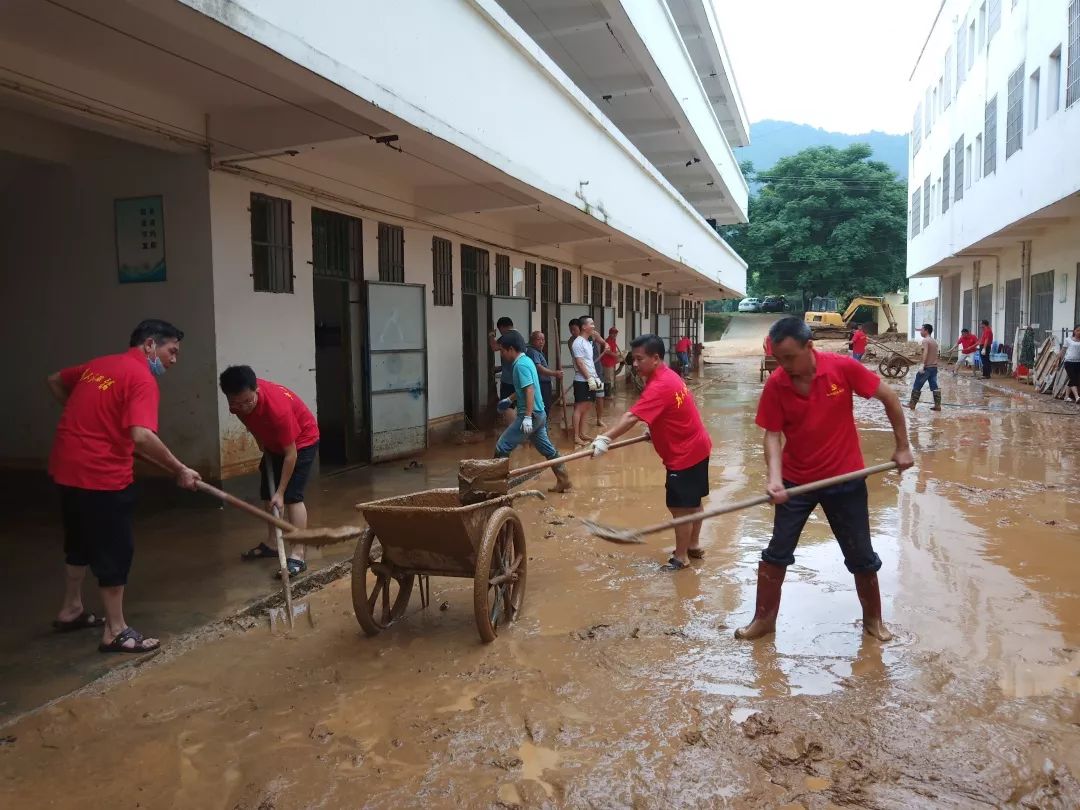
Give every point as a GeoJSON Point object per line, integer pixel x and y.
{"type": "Point", "coordinates": [958, 170]}
{"type": "Point", "coordinates": [391, 253]}
{"type": "Point", "coordinates": [916, 131]}
{"type": "Point", "coordinates": [637, 299]}
{"type": "Point", "coordinates": [567, 279]}
{"type": "Point", "coordinates": [336, 245]}
{"type": "Point", "coordinates": [961, 55]}
{"type": "Point", "coordinates": [916, 210]}
{"type": "Point", "coordinates": [442, 271]}
{"type": "Point", "coordinates": [1014, 113]}
{"type": "Point", "coordinates": [530, 283]}
{"type": "Point", "coordinates": [926, 203]}
{"type": "Point", "coordinates": [990, 137]}
{"type": "Point", "coordinates": [549, 283]}
{"type": "Point", "coordinates": [622, 293]}
{"type": "Point", "coordinates": [993, 20]}
{"type": "Point", "coordinates": [607, 293]}
{"type": "Point", "coordinates": [596, 295]}
{"type": "Point", "coordinates": [1072, 79]}
{"type": "Point", "coordinates": [502, 274]}
{"type": "Point", "coordinates": [947, 78]}
{"type": "Point", "coordinates": [946, 169]}
{"type": "Point", "coordinates": [584, 289]}
{"type": "Point", "coordinates": [648, 300]}
{"type": "Point", "coordinates": [475, 270]}
{"type": "Point", "coordinates": [271, 244]}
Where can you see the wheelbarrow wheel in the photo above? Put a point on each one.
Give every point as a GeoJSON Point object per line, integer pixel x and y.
{"type": "Point", "coordinates": [501, 567]}
{"type": "Point", "coordinates": [382, 605]}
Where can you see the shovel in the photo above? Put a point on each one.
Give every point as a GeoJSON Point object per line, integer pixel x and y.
{"type": "Point", "coordinates": [290, 613]}
{"type": "Point", "coordinates": [615, 535]}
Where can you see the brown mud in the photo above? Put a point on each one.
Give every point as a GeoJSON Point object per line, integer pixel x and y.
{"type": "Point", "coordinates": [621, 686]}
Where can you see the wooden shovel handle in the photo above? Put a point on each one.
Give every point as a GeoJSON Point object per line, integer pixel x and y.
{"type": "Point", "coordinates": [543, 465]}
{"type": "Point", "coordinates": [761, 499]}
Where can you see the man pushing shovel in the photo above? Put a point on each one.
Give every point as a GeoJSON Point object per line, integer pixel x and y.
{"type": "Point", "coordinates": [808, 401]}
{"type": "Point", "coordinates": [679, 436]}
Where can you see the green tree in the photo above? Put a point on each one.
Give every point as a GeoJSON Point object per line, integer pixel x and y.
{"type": "Point", "coordinates": [825, 221]}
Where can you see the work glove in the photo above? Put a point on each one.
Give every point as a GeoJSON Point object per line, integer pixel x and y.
{"type": "Point", "coordinates": [648, 434]}
{"type": "Point", "coordinates": [600, 445]}
{"type": "Point", "coordinates": [595, 384]}
{"type": "Point", "coordinates": [526, 425]}
{"type": "Point", "coordinates": [504, 405]}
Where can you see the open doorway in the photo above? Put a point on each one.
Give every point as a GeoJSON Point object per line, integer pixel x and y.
{"type": "Point", "coordinates": [477, 368]}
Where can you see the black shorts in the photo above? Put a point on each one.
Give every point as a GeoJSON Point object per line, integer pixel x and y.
{"type": "Point", "coordinates": [97, 532]}
{"type": "Point", "coordinates": [582, 392]}
{"type": "Point", "coordinates": [294, 492]}
{"type": "Point", "coordinates": [505, 389]}
{"type": "Point", "coordinates": [686, 488]}
{"type": "Point", "coordinates": [1072, 369]}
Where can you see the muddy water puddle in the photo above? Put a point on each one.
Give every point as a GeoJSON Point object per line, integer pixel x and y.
{"type": "Point", "coordinates": [623, 686]}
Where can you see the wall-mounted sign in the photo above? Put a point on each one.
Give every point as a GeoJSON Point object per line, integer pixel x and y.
{"type": "Point", "coordinates": [140, 239]}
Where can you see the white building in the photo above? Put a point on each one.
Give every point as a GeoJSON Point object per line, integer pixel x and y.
{"type": "Point", "coordinates": [994, 226]}
{"type": "Point", "coordinates": [346, 194]}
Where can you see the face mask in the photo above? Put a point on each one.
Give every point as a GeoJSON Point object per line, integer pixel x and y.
{"type": "Point", "coordinates": [157, 368]}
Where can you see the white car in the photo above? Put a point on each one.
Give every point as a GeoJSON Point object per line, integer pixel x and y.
{"type": "Point", "coordinates": [750, 305]}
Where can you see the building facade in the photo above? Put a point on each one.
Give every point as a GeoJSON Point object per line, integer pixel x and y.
{"type": "Point", "coordinates": [994, 185]}
{"type": "Point", "coordinates": [347, 198]}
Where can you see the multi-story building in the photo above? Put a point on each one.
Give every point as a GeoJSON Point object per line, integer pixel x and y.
{"type": "Point", "coordinates": [994, 226]}
{"type": "Point", "coordinates": [347, 194]}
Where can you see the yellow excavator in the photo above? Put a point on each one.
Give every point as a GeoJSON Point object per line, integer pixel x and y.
{"type": "Point", "coordinates": [826, 322]}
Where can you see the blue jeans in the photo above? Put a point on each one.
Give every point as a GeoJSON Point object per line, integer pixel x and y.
{"type": "Point", "coordinates": [927, 375]}
{"type": "Point", "coordinates": [513, 437]}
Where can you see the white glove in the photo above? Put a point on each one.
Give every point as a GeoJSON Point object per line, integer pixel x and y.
{"type": "Point", "coordinates": [600, 445]}
{"type": "Point", "coordinates": [595, 384]}
{"type": "Point", "coordinates": [526, 425]}
{"type": "Point", "coordinates": [504, 405]}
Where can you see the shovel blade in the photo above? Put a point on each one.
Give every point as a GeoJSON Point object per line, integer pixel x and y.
{"type": "Point", "coordinates": [613, 535]}
{"type": "Point", "coordinates": [482, 479]}
{"type": "Point", "coordinates": [301, 615]}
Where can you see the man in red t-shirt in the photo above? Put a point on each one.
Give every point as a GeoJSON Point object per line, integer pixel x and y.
{"type": "Point", "coordinates": [608, 360]}
{"type": "Point", "coordinates": [288, 435]}
{"type": "Point", "coordinates": [986, 341]}
{"type": "Point", "coordinates": [679, 436]}
{"type": "Point", "coordinates": [808, 403]}
{"type": "Point", "coordinates": [858, 343]}
{"type": "Point", "coordinates": [682, 351]}
{"type": "Point", "coordinates": [967, 344]}
{"type": "Point", "coordinates": [110, 415]}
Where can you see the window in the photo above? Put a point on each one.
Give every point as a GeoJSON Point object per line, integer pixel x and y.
{"type": "Point", "coordinates": [926, 202]}
{"type": "Point", "coordinates": [1014, 114]}
{"type": "Point", "coordinates": [982, 26]}
{"type": "Point", "coordinates": [584, 288]}
{"type": "Point", "coordinates": [391, 253]}
{"type": "Point", "coordinates": [517, 282]}
{"type": "Point", "coordinates": [928, 122]}
{"type": "Point", "coordinates": [549, 284]}
{"type": "Point", "coordinates": [993, 19]}
{"type": "Point", "coordinates": [990, 131]}
{"type": "Point", "coordinates": [946, 168]}
{"type": "Point", "coordinates": [530, 283]}
{"type": "Point", "coordinates": [622, 293]}
{"type": "Point", "coordinates": [596, 296]}
{"type": "Point", "coordinates": [977, 164]}
{"type": "Point", "coordinates": [1053, 83]}
{"type": "Point", "coordinates": [916, 208]}
{"type": "Point", "coordinates": [961, 57]}
{"type": "Point", "coordinates": [502, 274]}
{"type": "Point", "coordinates": [475, 270]}
{"type": "Point", "coordinates": [337, 251]}
{"type": "Point", "coordinates": [442, 271]}
{"type": "Point", "coordinates": [271, 244]}
{"type": "Point", "coordinates": [967, 167]}
{"type": "Point", "coordinates": [947, 79]}
{"type": "Point", "coordinates": [607, 293]}
{"type": "Point", "coordinates": [971, 45]}
{"type": "Point", "coordinates": [1033, 101]}
{"type": "Point", "coordinates": [916, 131]}
{"type": "Point", "coordinates": [936, 100]}
{"type": "Point", "coordinates": [1072, 78]}
{"type": "Point", "coordinates": [958, 170]}
{"type": "Point", "coordinates": [637, 299]}
{"type": "Point", "coordinates": [566, 280]}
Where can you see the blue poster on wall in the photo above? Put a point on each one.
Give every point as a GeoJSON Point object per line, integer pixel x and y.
{"type": "Point", "coordinates": [140, 239]}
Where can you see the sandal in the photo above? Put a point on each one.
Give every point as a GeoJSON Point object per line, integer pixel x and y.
{"type": "Point", "coordinates": [260, 552]}
{"type": "Point", "coordinates": [296, 567]}
{"type": "Point", "coordinates": [127, 634]}
{"type": "Point", "coordinates": [80, 622]}
{"type": "Point", "coordinates": [673, 564]}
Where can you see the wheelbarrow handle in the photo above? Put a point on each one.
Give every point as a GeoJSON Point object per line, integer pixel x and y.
{"type": "Point", "coordinates": [543, 465]}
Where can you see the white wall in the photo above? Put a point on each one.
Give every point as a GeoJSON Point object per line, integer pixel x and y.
{"type": "Point", "coordinates": [58, 281]}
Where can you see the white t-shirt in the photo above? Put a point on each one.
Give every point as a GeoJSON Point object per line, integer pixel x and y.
{"type": "Point", "coordinates": [581, 349]}
{"type": "Point", "coordinates": [1072, 350]}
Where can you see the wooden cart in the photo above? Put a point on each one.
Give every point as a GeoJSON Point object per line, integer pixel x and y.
{"type": "Point", "coordinates": [894, 364]}
{"type": "Point", "coordinates": [413, 537]}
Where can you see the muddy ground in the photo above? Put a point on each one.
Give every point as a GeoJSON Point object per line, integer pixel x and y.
{"type": "Point", "coordinates": [622, 686]}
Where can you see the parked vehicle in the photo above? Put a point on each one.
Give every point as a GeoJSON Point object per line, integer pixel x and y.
{"type": "Point", "coordinates": [774, 303]}
{"type": "Point", "coordinates": [750, 305]}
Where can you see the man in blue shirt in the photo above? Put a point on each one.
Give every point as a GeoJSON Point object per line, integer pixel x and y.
{"type": "Point", "coordinates": [535, 352]}
{"type": "Point", "coordinates": [531, 422]}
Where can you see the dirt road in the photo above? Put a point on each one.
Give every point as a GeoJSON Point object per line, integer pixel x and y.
{"type": "Point", "coordinates": [622, 686]}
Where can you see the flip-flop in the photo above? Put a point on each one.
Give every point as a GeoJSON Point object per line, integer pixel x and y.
{"type": "Point", "coordinates": [127, 634]}
{"type": "Point", "coordinates": [674, 565]}
{"type": "Point", "coordinates": [260, 552]}
{"type": "Point", "coordinates": [80, 622]}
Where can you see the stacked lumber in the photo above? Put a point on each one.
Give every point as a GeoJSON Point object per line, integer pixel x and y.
{"type": "Point", "coordinates": [1048, 376]}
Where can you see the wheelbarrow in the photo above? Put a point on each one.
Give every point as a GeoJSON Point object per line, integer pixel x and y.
{"type": "Point", "coordinates": [894, 364]}
{"type": "Point", "coordinates": [411, 538]}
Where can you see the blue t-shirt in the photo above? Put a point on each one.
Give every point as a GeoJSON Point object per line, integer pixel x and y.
{"type": "Point", "coordinates": [539, 360]}
{"type": "Point", "coordinates": [525, 374]}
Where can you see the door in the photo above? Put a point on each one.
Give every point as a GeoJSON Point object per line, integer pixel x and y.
{"type": "Point", "coordinates": [476, 359]}
{"type": "Point", "coordinates": [966, 321]}
{"type": "Point", "coordinates": [1012, 310]}
{"type": "Point", "coordinates": [986, 304]}
{"type": "Point", "coordinates": [1042, 304]}
{"type": "Point", "coordinates": [397, 369]}
{"type": "Point", "coordinates": [663, 329]}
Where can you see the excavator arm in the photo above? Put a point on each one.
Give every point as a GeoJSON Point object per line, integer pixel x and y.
{"type": "Point", "coordinates": [869, 301]}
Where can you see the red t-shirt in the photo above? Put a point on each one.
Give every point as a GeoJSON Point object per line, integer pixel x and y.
{"type": "Point", "coordinates": [107, 397]}
{"type": "Point", "coordinates": [280, 418]}
{"type": "Point", "coordinates": [858, 342]}
{"type": "Point", "coordinates": [683, 345]}
{"type": "Point", "coordinates": [611, 360]}
{"type": "Point", "coordinates": [967, 343]}
{"type": "Point", "coordinates": [667, 407]}
{"type": "Point", "coordinates": [819, 430]}
{"type": "Point", "coordinates": [987, 337]}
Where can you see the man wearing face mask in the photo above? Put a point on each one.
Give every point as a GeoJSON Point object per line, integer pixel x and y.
{"type": "Point", "coordinates": [110, 415]}
{"type": "Point", "coordinates": [288, 435]}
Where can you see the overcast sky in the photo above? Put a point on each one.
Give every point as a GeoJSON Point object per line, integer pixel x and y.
{"type": "Point", "coordinates": [842, 65]}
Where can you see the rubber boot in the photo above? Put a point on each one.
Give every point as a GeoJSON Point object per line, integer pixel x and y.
{"type": "Point", "coordinates": [937, 400]}
{"type": "Point", "coordinates": [562, 480]}
{"type": "Point", "coordinates": [770, 579]}
{"type": "Point", "coordinates": [915, 396]}
{"type": "Point", "coordinates": [866, 585]}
